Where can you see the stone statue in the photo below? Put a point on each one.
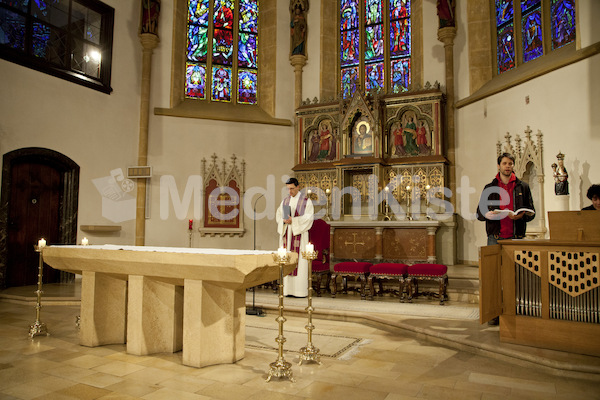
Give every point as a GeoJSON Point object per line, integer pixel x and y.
{"type": "Point", "coordinates": [561, 177]}
{"type": "Point", "coordinates": [445, 11]}
{"type": "Point", "coordinates": [149, 19]}
{"type": "Point", "coordinates": [298, 26]}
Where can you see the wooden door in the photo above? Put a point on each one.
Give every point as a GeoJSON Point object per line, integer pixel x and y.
{"type": "Point", "coordinates": [490, 283]}
{"type": "Point", "coordinates": [34, 213]}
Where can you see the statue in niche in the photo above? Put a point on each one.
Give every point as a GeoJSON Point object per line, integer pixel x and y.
{"type": "Point", "coordinates": [445, 12]}
{"type": "Point", "coordinates": [298, 27]}
{"type": "Point", "coordinates": [362, 138]}
{"type": "Point", "coordinates": [150, 14]}
{"type": "Point", "coordinates": [561, 177]}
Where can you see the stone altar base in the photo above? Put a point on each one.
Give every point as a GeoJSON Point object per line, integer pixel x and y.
{"type": "Point", "coordinates": [161, 300]}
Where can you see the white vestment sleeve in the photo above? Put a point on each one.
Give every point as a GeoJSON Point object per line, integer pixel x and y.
{"type": "Point", "coordinates": [304, 222]}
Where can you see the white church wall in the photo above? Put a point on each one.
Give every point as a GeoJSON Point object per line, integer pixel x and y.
{"type": "Point", "coordinates": [563, 106]}
{"type": "Point", "coordinates": [177, 146]}
{"type": "Point", "coordinates": [96, 130]}
{"type": "Point", "coordinates": [434, 66]}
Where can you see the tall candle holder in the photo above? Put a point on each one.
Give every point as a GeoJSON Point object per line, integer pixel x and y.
{"type": "Point", "coordinates": [427, 189]}
{"type": "Point", "coordinates": [309, 352]}
{"type": "Point", "coordinates": [386, 216]}
{"type": "Point", "coordinates": [408, 195]}
{"type": "Point", "coordinates": [39, 328]}
{"type": "Point", "coordinates": [280, 368]}
{"type": "Point", "coordinates": [327, 217]}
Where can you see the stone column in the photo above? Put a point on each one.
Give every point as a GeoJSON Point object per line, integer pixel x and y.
{"type": "Point", "coordinates": [298, 61]}
{"type": "Point", "coordinates": [446, 35]}
{"type": "Point", "coordinates": [149, 42]}
{"type": "Point", "coordinates": [431, 254]}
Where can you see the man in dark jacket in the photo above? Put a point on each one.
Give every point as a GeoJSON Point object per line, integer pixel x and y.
{"type": "Point", "coordinates": [505, 192]}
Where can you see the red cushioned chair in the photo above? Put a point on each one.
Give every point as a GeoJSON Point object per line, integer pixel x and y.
{"type": "Point", "coordinates": [318, 235]}
{"type": "Point", "coordinates": [427, 272]}
{"type": "Point", "coordinates": [357, 270]}
{"type": "Point", "coordinates": [390, 272]}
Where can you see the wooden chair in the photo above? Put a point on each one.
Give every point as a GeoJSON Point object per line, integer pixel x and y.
{"type": "Point", "coordinates": [318, 235]}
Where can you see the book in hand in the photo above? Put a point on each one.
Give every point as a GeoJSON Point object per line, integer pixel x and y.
{"type": "Point", "coordinates": [507, 212]}
{"type": "Point", "coordinates": [287, 212]}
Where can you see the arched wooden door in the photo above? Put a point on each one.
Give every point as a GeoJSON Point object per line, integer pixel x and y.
{"type": "Point", "coordinates": [39, 200]}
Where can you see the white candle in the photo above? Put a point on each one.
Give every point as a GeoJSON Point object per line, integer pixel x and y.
{"type": "Point", "coordinates": [282, 252]}
{"type": "Point", "coordinates": [327, 191]}
{"type": "Point", "coordinates": [84, 241]}
{"type": "Point", "coordinates": [310, 247]}
{"type": "Point", "coordinates": [41, 243]}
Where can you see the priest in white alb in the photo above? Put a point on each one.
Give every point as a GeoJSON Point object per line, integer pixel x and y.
{"type": "Point", "coordinates": [294, 219]}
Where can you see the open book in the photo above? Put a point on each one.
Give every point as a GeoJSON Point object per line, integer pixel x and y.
{"type": "Point", "coordinates": [520, 210]}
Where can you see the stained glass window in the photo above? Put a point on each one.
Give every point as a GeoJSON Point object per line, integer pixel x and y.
{"type": "Point", "coordinates": [71, 39]}
{"type": "Point", "coordinates": [213, 26]}
{"type": "Point", "coordinates": [364, 37]}
{"type": "Point", "coordinates": [532, 31]}
{"type": "Point", "coordinates": [523, 34]}
{"type": "Point", "coordinates": [563, 22]}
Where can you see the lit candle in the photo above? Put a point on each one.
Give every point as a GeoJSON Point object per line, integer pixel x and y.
{"type": "Point", "coordinates": [281, 252]}
{"type": "Point", "coordinates": [407, 188]}
{"type": "Point", "coordinates": [84, 241]}
{"type": "Point", "coordinates": [327, 191]}
{"type": "Point", "coordinates": [191, 224]}
{"type": "Point", "coordinates": [387, 189]}
{"type": "Point", "coordinates": [41, 243]}
{"type": "Point", "coordinates": [310, 247]}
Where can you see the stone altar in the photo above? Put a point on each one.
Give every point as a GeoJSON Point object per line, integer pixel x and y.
{"type": "Point", "coordinates": [162, 299]}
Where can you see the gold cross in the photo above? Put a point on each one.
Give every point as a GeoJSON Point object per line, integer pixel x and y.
{"type": "Point", "coordinates": [354, 243]}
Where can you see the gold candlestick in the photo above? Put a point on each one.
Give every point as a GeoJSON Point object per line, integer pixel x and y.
{"type": "Point", "coordinates": [309, 352]}
{"type": "Point", "coordinates": [427, 189]}
{"type": "Point", "coordinates": [408, 195]}
{"type": "Point", "coordinates": [327, 217]}
{"type": "Point", "coordinates": [39, 328]}
{"type": "Point", "coordinates": [280, 368]}
{"type": "Point", "coordinates": [387, 217]}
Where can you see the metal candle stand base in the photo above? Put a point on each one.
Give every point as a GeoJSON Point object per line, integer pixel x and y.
{"type": "Point", "coordinates": [309, 352]}
{"type": "Point", "coordinates": [280, 368]}
{"type": "Point", "coordinates": [38, 328]}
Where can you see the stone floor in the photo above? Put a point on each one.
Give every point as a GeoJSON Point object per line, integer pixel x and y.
{"type": "Point", "coordinates": [399, 357]}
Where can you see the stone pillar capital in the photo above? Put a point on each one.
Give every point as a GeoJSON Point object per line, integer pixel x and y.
{"type": "Point", "coordinates": [298, 61]}
{"type": "Point", "coordinates": [149, 41]}
{"type": "Point", "coordinates": [446, 35]}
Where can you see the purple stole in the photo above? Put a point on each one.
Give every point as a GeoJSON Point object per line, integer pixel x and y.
{"type": "Point", "coordinates": [295, 246]}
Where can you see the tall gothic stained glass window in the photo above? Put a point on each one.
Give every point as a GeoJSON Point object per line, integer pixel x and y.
{"type": "Point", "coordinates": [375, 46]}
{"type": "Point", "coordinates": [71, 39]}
{"type": "Point", "coordinates": [524, 34]}
{"type": "Point", "coordinates": [222, 51]}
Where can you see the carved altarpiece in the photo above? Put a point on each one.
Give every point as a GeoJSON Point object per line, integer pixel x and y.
{"type": "Point", "coordinates": [355, 148]}
{"type": "Point", "coordinates": [223, 192]}
{"type": "Point", "coordinates": [529, 167]}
